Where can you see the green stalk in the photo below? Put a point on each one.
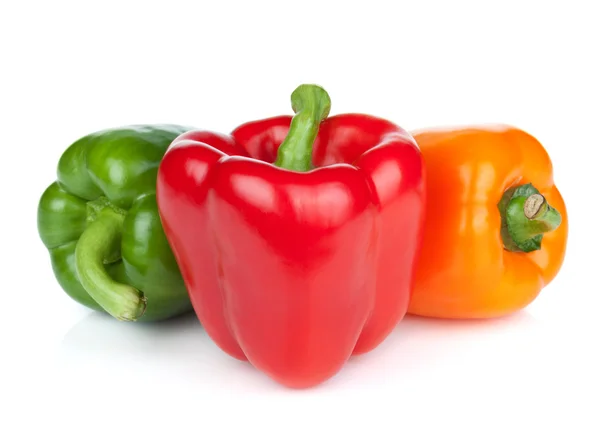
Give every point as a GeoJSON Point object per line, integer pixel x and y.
{"type": "Point", "coordinates": [526, 217]}
{"type": "Point", "coordinates": [97, 246]}
{"type": "Point", "coordinates": [311, 104]}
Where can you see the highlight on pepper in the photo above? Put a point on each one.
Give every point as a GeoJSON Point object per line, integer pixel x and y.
{"type": "Point", "coordinates": [496, 225]}
{"type": "Point", "coordinates": [303, 239]}
{"type": "Point", "coordinates": [99, 221]}
{"type": "Point", "coordinates": [319, 220]}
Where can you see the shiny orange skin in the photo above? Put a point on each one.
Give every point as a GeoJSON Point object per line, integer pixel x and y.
{"type": "Point", "coordinates": [463, 269]}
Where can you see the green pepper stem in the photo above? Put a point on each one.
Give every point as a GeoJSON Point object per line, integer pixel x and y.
{"type": "Point", "coordinates": [97, 246]}
{"type": "Point", "coordinates": [526, 217]}
{"type": "Point", "coordinates": [311, 104]}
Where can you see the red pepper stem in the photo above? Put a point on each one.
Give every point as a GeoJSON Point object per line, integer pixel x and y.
{"type": "Point", "coordinates": [95, 247]}
{"type": "Point", "coordinates": [526, 217]}
{"type": "Point", "coordinates": [311, 104]}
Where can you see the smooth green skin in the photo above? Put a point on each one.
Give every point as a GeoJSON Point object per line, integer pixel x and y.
{"type": "Point", "coordinates": [114, 170]}
{"type": "Point", "coordinates": [311, 104]}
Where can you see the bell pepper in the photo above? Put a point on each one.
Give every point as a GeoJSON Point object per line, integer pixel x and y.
{"type": "Point", "coordinates": [495, 227]}
{"type": "Point", "coordinates": [100, 223]}
{"type": "Point", "coordinates": [296, 236]}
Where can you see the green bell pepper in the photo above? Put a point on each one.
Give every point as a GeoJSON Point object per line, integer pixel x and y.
{"type": "Point", "coordinates": [101, 225]}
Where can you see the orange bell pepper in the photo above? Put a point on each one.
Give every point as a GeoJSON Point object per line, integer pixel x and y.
{"type": "Point", "coordinates": [495, 226]}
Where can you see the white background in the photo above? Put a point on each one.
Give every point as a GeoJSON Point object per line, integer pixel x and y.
{"type": "Point", "coordinates": [72, 68]}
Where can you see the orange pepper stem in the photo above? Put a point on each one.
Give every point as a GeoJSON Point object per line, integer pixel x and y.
{"type": "Point", "coordinates": [526, 217]}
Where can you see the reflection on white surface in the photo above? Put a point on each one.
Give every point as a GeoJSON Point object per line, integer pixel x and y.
{"type": "Point", "coordinates": [179, 352]}
{"type": "Point", "coordinates": [100, 334]}
{"type": "Point", "coordinates": [421, 350]}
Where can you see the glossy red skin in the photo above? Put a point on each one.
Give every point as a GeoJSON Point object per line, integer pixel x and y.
{"type": "Point", "coordinates": [292, 271]}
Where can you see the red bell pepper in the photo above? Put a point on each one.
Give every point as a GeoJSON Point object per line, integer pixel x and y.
{"type": "Point", "coordinates": [296, 236]}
